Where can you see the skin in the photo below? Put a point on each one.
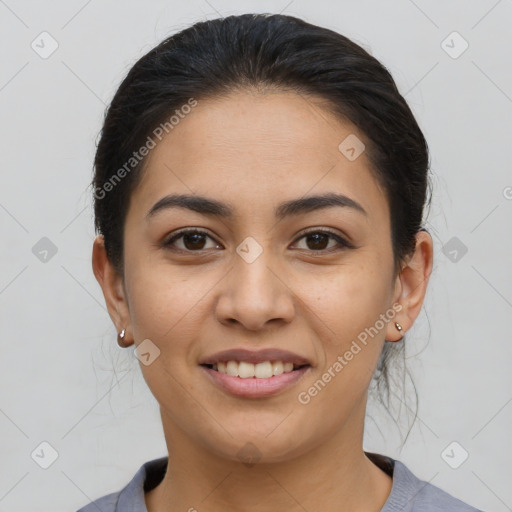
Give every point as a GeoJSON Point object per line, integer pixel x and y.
{"type": "Point", "coordinates": [254, 150]}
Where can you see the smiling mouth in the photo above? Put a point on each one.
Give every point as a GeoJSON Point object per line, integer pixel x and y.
{"type": "Point", "coordinates": [263, 370]}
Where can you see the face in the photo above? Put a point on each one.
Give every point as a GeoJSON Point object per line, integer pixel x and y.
{"type": "Point", "coordinates": [304, 281]}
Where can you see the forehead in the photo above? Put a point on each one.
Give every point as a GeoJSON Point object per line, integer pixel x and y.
{"type": "Point", "coordinates": [253, 149]}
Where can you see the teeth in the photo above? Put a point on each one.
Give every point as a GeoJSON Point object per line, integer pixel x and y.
{"type": "Point", "coordinates": [263, 370]}
{"type": "Point", "coordinates": [277, 368]}
{"type": "Point", "coordinates": [232, 368]}
{"type": "Point", "coordinates": [245, 370]}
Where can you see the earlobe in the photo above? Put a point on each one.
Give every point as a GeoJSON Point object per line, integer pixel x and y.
{"type": "Point", "coordinates": [112, 286]}
{"type": "Point", "coordinates": [398, 333]}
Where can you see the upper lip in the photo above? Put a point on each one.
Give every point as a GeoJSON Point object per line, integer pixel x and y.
{"type": "Point", "coordinates": [255, 356]}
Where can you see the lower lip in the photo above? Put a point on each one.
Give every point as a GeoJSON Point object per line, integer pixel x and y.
{"type": "Point", "coordinates": [253, 387]}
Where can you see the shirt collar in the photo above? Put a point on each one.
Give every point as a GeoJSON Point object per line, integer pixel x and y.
{"type": "Point", "coordinates": [404, 488]}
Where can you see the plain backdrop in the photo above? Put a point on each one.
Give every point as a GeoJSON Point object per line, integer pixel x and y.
{"type": "Point", "coordinates": [63, 380]}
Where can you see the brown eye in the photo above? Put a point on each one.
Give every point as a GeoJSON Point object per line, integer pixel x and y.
{"type": "Point", "coordinates": [319, 241]}
{"type": "Point", "coordinates": [191, 241]}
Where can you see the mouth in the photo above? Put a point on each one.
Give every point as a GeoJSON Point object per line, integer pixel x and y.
{"type": "Point", "coordinates": [243, 379]}
{"type": "Point", "coordinates": [255, 373]}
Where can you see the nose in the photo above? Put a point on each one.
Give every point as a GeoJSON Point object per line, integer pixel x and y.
{"type": "Point", "coordinates": [255, 294]}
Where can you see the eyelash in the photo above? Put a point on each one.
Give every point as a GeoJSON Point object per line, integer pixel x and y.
{"type": "Point", "coordinates": [341, 241]}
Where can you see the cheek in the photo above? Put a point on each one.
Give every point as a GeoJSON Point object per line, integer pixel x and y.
{"type": "Point", "coordinates": [347, 300]}
{"type": "Point", "coordinates": [349, 304]}
{"type": "Point", "coordinates": [163, 298]}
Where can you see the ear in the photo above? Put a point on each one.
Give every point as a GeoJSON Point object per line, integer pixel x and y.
{"type": "Point", "coordinates": [411, 286]}
{"type": "Point", "coordinates": [112, 284]}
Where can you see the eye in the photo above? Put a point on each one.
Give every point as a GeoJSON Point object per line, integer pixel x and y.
{"type": "Point", "coordinates": [193, 240]}
{"type": "Point", "coordinates": [318, 241]}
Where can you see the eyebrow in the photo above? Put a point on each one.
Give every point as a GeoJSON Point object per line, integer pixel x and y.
{"type": "Point", "coordinates": [212, 207]}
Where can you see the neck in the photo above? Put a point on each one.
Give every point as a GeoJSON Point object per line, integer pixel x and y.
{"type": "Point", "coordinates": [334, 476]}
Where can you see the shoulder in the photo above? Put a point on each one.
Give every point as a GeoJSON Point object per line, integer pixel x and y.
{"type": "Point", "coordinates": [107, 503]}
{"type": "Point", "coordinates": [410, 494]}
{"type": "Point", "coordinates": [131, 497]}
{"type": "Point", "coordinates": [434, 499]}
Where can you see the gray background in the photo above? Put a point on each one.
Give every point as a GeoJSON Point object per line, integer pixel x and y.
{"type": "Point", "coordinates": [65, 382]}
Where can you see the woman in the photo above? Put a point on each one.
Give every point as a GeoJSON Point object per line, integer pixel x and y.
{"type": "Point", "coordinates": [259, 191]}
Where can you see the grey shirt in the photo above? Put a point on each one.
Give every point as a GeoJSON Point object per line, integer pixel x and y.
{"type": "Point", "coordinates": [408, 493]}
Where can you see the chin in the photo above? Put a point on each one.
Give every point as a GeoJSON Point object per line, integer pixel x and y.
{"type": "Point", "coordinates": [264, 445]}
